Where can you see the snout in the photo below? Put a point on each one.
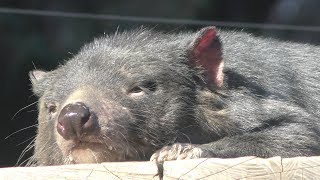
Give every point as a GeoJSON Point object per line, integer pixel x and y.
{"type": "Point", "coordinates": [76, 120]}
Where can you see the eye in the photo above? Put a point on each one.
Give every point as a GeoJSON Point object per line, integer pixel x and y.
{"type": "Point", "coordinates": [52, 108]}
{"type": "Point", "coordinates": [142, 88]}
{"type": "Point", "coordinates": [136, 91]}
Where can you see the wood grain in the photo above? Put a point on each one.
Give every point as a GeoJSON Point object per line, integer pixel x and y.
{"type": "Point", "coordinates": [211, 168]}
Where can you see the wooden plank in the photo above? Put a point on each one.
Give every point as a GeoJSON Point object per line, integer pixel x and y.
{"type": "Point", "coordinates": [211, 168]}
{"type": "Point", "coordinates": [215, 168]}
{"type": "Point", "coordinates": [116, 170]}
{"type": "Point", "coordinates": [301, 168]}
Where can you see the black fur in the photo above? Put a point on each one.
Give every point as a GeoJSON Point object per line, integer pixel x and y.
{"type": "Point", "coordinates": [268, 105]}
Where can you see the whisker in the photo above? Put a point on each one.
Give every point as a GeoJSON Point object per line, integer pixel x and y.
{"type": "Point", "coordinates": [23, 109]}
{"type": "Point", "coordinates": [26, 161]}
{"type": "Point", "coordinates": [26, 140]}
{"type": "Point", "coordinates": [33, 110]}
{"type": "Point", "coordinates": [29, 146]}
{"type": "Point", "coordinates": [20, 130]}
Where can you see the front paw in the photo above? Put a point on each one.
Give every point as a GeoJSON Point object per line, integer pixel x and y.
{"type": "Point", "coordinates": [179, 151]}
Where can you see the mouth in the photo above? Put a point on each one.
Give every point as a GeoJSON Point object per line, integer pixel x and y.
{"type": "Point", "coordinates": [99, 148]}
{"type": "Point", "coordinates": [91, 152]}
{"type": "Point", "coordinates": [90, 145]}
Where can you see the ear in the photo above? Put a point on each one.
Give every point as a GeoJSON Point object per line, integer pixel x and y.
{"type": "Point", "coordinates": [36, 76]}
{"type": "Point", "coordinates": [206, 51]}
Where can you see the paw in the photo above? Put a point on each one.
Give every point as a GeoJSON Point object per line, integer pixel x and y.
{"type": "Point", "coordinates": [178, 151]}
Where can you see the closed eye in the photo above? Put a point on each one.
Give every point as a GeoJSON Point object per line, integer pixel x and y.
{"type": "Point", "coordinates": [142, 89]}
{"type": "Point", "coordinates": [52, 108]}
{"type": "Point", "coordinates": [136, 91]}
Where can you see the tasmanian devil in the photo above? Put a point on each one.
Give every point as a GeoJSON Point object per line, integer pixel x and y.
{"type": "Point", "coordinates": [141, 94]}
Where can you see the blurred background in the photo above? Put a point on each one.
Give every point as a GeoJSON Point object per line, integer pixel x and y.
{"type": "Point", "coordinates": [41, 34]}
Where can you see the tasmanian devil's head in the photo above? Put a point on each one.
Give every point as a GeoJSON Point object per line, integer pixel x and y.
{"type": "Point", "coordinates": [124, 96]}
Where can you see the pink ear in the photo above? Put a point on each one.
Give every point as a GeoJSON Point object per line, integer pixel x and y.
{"type": "Point", "coordinates": [207, 53]}
{"type": "Point", "coordinates": [36, 75]}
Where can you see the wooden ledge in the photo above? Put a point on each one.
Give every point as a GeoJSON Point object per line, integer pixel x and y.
{"type": "Point", "coordinates": [211, 168]}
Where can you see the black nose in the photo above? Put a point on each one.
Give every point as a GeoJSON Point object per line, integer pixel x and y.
{"type": "Point", "coordinates": [75, 120]}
